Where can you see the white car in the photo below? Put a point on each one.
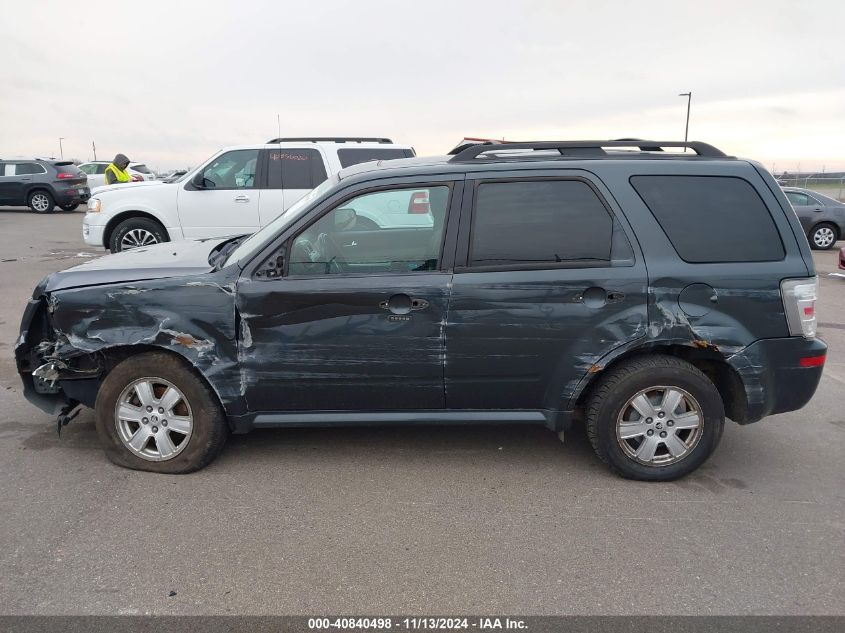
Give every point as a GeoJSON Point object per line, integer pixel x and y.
{"type": "Point", "coordinates": [239, 190]}
{"type": "Point", "coordinates": [96, 172]}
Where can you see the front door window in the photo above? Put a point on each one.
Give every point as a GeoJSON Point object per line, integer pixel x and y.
{"type": "Point", "coordinates": [395, 231]}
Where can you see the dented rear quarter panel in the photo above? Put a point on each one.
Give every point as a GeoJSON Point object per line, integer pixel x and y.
{"type": "Point", "coordinates": [726, 306]}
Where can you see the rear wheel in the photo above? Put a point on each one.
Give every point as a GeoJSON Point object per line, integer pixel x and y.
{"type": "Point", "coordinates": [823, 237]}
{"type": "Point", "coordinates": [656, 418]}
{"type": "Point", "coordinates": [153, 413]}
{"type": "Point", "coordinates": [41, 202]}
{"type": "Point", "coordinates": [136, 232]}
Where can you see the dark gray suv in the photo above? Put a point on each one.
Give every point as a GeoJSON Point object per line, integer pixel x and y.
{"type": "Point", "coordinates": [587, 281]}
{"type": "Point", "coordinates": [823, 218]}
{"type": "Point", "coordinates": [41, 184]}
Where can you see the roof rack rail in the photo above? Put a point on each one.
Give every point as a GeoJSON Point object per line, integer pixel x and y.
{"type": "Point", "coordinates": [585, 149]}
{"type": "Point", "coordinates": [329, 139]}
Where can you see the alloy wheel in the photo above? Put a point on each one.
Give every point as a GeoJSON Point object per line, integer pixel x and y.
{"type": "Point", "coordinates": [40, 202]}
{"type": "Point", "coordinates": [659, 425]}
{"type": "Point", "coordinates": [823, 237]}
{"type": "Point", "coordinates": [137, 237]}
{"type": "Point", "coordinates": [153, 419]}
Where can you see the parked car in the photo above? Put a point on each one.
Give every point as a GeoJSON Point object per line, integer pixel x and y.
{"type": "Point", "coordinates": [823, 218]}
{"type": "Point", "coordinates": [174, 175]}
{"type": "Point", "coordinates": [96, 172]}
{"type": "Point", "coordinates": [598, 285]}
{"type": "Point", "coordinates": [842, 258]}
{"type": "Point", "coordinates": [236, 191]}
{"type": "Point", "coordinates": [41, 184]}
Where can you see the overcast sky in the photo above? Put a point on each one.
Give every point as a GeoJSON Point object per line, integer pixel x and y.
{"type": "Point", "coordinates": [169, 83]}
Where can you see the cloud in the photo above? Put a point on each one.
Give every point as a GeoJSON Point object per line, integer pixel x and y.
{"type": "Point", "coordinates": [169, 83]}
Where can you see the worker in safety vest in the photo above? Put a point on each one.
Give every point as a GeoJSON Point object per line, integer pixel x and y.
{"type": "Point", "coordinates": [116, 171]}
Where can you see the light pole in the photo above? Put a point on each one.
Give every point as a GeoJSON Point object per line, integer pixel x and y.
{"type": "Point", "coordinates": [688, 95]}
{"type": "Point", "coordinates": [61, 151]}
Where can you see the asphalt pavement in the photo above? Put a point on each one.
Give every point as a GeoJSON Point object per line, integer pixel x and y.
{"type": "Point", "coordinates": [453, 520]}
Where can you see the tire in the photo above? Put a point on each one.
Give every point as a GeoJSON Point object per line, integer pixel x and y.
{"type": "Point", "coordinates": [40, 201]}
{"type": "Point", "coordinates": [823, 236]}
{"type": "Point", "coordinates": [616, 428]}
{"type": "Point", "coordinates": [193, 443]}
{"type": "Point", "coordinates": [142, 231]}
{"type": "Point", "coordinates": [69, 207]}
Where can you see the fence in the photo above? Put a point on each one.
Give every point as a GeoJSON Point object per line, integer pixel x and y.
{"type": "Point", "coordinates": [831, 186]}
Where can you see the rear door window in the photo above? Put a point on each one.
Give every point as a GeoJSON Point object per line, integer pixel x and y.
{"type": "Point", "coordinates": [799, 199]}
{"type": "Point", "coordinates": [353, 155]}
{"type": "Point", "coordinates": [295, 169]}
{"type": "Point", "coordinates": [711, 219]}
{"type": "Point", "coordinates": [546, 223]}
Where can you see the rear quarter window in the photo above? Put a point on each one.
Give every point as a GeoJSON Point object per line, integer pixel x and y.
{"type": "Point", "coordinates": [711, 219]}
{"type": "Point", "coordinates": [295, 169]}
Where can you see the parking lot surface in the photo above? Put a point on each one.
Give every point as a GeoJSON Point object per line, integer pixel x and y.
{"type": "Point", "coordinates": [451, 520]}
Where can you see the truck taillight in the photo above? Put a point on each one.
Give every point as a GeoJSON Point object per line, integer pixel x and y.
{"type": "Point", "coordinates": [799, 303]}
{"type": "Point", "coordinates": [419, 203]}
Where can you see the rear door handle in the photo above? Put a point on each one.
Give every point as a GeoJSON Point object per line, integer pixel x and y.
{"type": "Point", "coordinates": [241, 198]}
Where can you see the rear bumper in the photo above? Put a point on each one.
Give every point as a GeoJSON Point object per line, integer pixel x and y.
{"type": "Point", "coordinates": [779, 374]}
{"type": "Point", "coordinates": [72, 196]}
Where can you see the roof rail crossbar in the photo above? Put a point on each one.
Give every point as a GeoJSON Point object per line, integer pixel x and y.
{"type": "Point", "coordinates": [584, 148]}
{"type": "Point", "coordinates": [329, 139]}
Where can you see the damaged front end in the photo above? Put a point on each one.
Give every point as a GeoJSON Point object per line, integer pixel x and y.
{"type": "Point", "coordinates": [56, 377]}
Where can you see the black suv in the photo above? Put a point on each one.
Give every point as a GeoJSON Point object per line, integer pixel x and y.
{"type": "Point", "coordinates": [555, 281]}
{"type": "Point", "coordinates": [41, 184]}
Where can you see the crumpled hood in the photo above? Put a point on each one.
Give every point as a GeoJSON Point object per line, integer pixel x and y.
{"type": "Point", "coordinates": [171, 259]}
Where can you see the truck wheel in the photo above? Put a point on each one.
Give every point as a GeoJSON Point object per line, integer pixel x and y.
{"type": "Point", "coordinates": [823, 237]}
{"type": "Point", "coordinates": [41, 201]}
{"type": "Point", "coordinates": [655, 418]}
{"type": "Point", "coordinates": [153, 413]}
{"type": "Point", "coordinates": [136, 232]}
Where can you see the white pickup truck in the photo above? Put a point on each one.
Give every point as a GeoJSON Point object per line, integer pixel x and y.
{"type": "Point", "coordinates": [239, 190]}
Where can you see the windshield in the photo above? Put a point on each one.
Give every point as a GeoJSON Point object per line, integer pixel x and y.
{"type": "Point", "coordinates": [259, 239]}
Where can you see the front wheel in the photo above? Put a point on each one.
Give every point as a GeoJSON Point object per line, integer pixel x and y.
{"type": "Point", "coordinates": [154, 413]}
{"type": "Point", "coordinates": [655, 418]}
{"type": "Point", "coordinates": [823, 237]}
{"type": "Point", "coordinates": [136, 232]}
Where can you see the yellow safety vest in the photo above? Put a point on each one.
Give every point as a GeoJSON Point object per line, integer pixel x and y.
{"type": "Point", "coordinates": [119, 174]}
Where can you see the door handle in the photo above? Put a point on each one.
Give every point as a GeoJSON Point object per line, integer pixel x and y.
{"type": "Point", "coordinates": [403, 304]}
{"type": "Point", "coordinates": [242, 198]}
{"type": "Point", "coordinates": [353, 244]}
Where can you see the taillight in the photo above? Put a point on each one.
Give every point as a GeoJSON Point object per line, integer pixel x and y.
{"type": "Point", "coordinates": [799, 303]}
{"type": "Point", "coordinates": [64, 175]}
{"type": "Point", "coordinates": [419, 203]}
{"type": "Point", "coordinates": [812, 361]}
